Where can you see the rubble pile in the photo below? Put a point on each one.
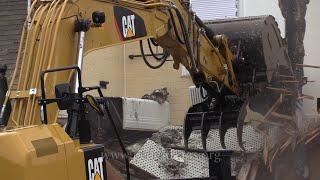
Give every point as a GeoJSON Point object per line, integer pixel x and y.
{"type": "Point", "coordinates": [167, 137]}
{"type": "Point", "coordinates": [159, 95]}
{"type": "Point", "coordinates": [173, 166]}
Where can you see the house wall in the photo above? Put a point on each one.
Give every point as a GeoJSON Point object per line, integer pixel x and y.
{"type": "Point", "coordinates": [311, 42]}
{"type": "Point", "coordinates": [219, 9]}
{"type": "Point", "coordinates": [12, 16]}
{"type": "Point", "coordinates": [132, 78]}
{"type": "Point", "coordinates": [105, 65]}
{"type": "Point", "coordinates": [140, 80]}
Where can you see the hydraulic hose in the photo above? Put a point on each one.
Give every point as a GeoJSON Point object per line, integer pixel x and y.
{"type": "Point", "coordinates": [154, 42]}
{"type": "Point", "coordinates": [175, 27]}
{"type": "Point", "coordinates": [161, 58]}
{"type": "Point", "coordinates": [209, 32]}
{"type": "Point", "coordinates": [147, 62]}
{"type": "Point", "coordinates": [186, 39]}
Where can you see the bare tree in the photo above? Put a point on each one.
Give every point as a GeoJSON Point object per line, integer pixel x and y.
{"type": "Point", "coordinates": [294, 12]}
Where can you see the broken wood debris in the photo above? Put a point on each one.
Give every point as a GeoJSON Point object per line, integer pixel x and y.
{"type": "Point", "coordinates": [280, 90]}
{"type": "Point", "coordinates": [307, 66]}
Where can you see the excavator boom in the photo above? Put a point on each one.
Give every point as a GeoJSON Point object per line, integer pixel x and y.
{"type": "Point", "coordinates": [56, 36]}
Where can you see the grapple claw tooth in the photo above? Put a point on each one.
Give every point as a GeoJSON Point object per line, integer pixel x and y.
{"type": "Point", "coordinates": [204, 144]}
{"type": "Point", "coordinates": [240, 124]}
{"type": "Point", "coordinates": [187, 130]}
{"type": "Point", "coordinates": [239, 137]}
{"type": "Point", "coordinates": [222, 139]}
{"type": "Point", "coordinates": [205, 128]}
{"type": "Point", "coordinates": [222, 132]}
{"type": "Point", "coordinates": [241, 145]}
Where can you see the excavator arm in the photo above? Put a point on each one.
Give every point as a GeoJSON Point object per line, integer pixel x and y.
{"type": "Point", "coordinates": [56, 36]}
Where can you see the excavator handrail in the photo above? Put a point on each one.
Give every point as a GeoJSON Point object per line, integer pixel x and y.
{"type": "Point", "coordinates": [43, 92]}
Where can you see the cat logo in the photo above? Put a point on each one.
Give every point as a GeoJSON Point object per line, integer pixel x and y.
{"type": "Point", "coordinates": [95, 168]}
{"type": "Point", "coordinates": [95, 162]}
{"type": "Point", "coordinates": [128, 26]}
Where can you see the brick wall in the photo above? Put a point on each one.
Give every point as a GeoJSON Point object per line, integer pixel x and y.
{"type": "Point", "coordinates": [12, 17]}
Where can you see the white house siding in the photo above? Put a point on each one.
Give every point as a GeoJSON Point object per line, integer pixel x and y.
{"type": "Point", "coordinates": [262, 7]}
{"type": "Point", "coordinates": [214, 9]}
{"type": "Point", "coordinates": [312, 48]}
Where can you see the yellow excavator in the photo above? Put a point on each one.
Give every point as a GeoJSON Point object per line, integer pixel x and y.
{"type": "Point", "coordinates": [226, 62]}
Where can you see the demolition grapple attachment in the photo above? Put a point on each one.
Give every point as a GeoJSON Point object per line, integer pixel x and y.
{"type": "Point", "coordinates": [260, 57]}
{"type": "Point", "coordinates": [204, 116]}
